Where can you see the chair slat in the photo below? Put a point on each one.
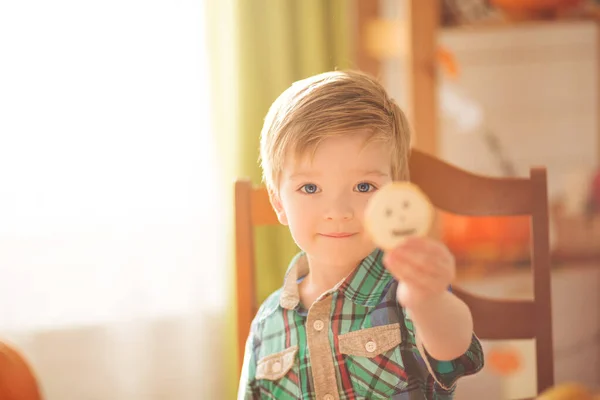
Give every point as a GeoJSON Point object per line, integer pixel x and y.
{"type": "Point", "coordinates": [496, 319]}
{"type": "Point", "coordinates": [262, 212]}
{"type": "Point", "coordinates": [541, 278]}
{"type": "Point", "coordinates": [244, 252]}
{"type": "Point", "coordinates": [467, 193]}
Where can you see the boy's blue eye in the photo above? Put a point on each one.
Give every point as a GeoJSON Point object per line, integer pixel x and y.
{"type": "Point", "coordinates": [309, 188]}
{"type": "Point", "coordinates": [365, 187]}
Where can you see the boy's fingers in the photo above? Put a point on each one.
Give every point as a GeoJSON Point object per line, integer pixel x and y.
{"type": "Point", "coordinates": [414, 276]}
{"type": "Point", "coordinates": [435, 267]}
{"type": "Point", "coordinates": [424, 273]}
{"type": "Point", "coordinates": [421, 262]}
{"type": "Point", "coordinates": [438, 263]}
{"type": "Point", "coordinates": [425, 245]}
{"type": "Point", "coordinates": [420, 269]}
{"type": "Point", "coordinates": [417, 283]}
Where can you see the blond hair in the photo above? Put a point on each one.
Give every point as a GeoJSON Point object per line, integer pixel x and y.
{"type": "Point", "coordinates": [326, 105]}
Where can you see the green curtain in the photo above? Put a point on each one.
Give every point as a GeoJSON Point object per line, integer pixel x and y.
{"type": "Point", "coordinates": [279, 42]}
{"type": "Point", "coordinates": [257, 49]}
{"type": "Point", "coordinates": [222, 49]}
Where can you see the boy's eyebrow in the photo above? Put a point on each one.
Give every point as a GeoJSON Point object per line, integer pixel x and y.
{"type": "Point", "coordinates": [362, 172]}
{"type": "Point", "coordinates": [373, 172]}
{"type": "Point", "coordinates": [303, 174]}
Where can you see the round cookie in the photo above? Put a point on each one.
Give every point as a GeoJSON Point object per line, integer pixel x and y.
{"type": "Point", "coordinates": [397, 211]}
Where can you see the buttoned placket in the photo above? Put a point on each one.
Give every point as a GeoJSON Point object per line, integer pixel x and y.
{"type": "Point", "coordinates": [323, 370]}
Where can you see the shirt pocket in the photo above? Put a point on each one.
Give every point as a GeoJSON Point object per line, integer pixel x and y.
{"type": "Point", "coordinates": [277, 375]}
{"type": "Point", "coordinates": [374, 361]}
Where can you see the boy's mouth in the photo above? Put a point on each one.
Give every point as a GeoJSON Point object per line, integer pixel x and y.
{"type": "Point", "coordinates": [338, 235]}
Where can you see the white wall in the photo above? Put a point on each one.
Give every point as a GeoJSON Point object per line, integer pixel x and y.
{"type": "Point", "coordinates": [537, 86]}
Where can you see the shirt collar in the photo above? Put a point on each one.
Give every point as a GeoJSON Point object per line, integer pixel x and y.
{"type": "Point", "coordinates": [364, 286]}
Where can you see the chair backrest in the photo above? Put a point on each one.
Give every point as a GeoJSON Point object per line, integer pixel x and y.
{"type": "Point", "coordinates": [456, 191]}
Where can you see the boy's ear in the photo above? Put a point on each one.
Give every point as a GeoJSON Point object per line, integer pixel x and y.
{"type": "Point", "coordinates": [278, 207]}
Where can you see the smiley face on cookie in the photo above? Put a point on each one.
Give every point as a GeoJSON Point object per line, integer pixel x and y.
{"type": "Point", "coordinates": [397, 211]}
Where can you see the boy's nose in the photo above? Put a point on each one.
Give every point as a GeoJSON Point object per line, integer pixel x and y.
{"type": "Point", "coordinates": [339, 212]}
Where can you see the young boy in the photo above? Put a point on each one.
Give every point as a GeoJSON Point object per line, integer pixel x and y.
{"type": "Point", "coordinates": [350, 322]}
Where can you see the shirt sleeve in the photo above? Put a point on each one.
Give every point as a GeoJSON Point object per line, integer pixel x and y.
{"type": "Point", "coordinates": [247, 389]}
{"type": "Point", "coordinates": [447, 373]}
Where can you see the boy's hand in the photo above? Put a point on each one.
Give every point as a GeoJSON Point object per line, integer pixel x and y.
{"type": "Point", "coordinates": [424, 268]}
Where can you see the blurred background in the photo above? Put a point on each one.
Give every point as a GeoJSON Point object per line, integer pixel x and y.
{"type": "Point", "coordinates": [123, 125]}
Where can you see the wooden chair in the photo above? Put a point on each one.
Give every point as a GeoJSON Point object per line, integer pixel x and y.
{"type": "Point", "coordinates": [456, 191]}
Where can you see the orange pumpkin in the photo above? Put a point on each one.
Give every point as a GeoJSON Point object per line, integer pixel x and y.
{"type": "Point", "coordinates": [17, 381]}
{"type": "Point", "coordinates": [486, 239]}
{"type": "Point", "coordinates": [567, 391]}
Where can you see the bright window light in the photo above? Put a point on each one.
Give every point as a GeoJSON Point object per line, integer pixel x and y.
{"type": "Point", "coordinates": [109, 203]}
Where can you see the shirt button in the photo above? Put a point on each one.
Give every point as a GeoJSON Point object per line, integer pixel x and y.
{"type": "Point", "coordinates": [276, 366]}
{"type": "Point", "coordinates": [371, 346]}
{"type": "Point", "coordinates": [328, 397]}
{"type": "Point", "coordinates": [319, 325]}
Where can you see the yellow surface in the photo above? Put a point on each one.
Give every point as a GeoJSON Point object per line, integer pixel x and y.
{"type": "Point", "coordinates": [568, 391]}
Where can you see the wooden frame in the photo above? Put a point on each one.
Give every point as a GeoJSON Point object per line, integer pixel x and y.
{"type": "Point", "coordinates": [421, 57]}
{"type": "Point", "coordinates": [367, 11]}
{"type": "Point", "coordinates": [422, 28]}
{"type": "Point", "coordinates": [423, 25]}
{"type": "Point", "coordinates": [454, 190]}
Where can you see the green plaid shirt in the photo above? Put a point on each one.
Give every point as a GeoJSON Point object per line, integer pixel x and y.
{"type": "Point", "coordinates": [356, 342]}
